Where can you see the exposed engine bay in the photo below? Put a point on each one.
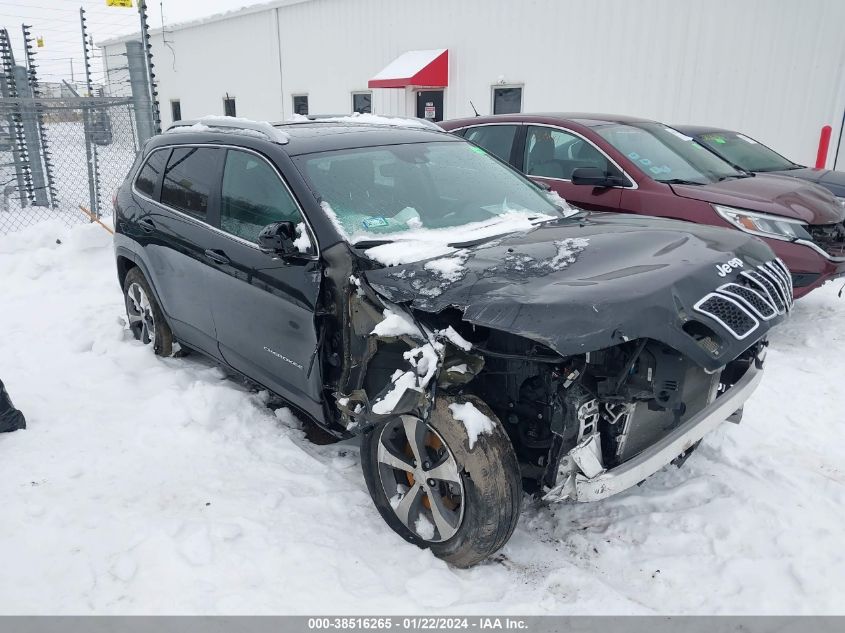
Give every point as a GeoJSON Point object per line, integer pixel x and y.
{"type": "Point", "coordinates": [609, 404]}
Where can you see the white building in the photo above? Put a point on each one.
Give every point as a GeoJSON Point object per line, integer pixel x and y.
{"type": "Point", "coordinates": [772, 69]}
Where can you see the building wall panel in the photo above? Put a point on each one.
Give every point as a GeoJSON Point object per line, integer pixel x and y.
{"type": "Point", "coordinates": [775, 70]}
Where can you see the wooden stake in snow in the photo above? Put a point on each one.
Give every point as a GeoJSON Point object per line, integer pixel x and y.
{"type": "Point", "coordinates": [94, 218]}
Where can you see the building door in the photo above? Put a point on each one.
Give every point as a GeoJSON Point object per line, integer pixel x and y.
{"type": "Point", "coordinates": [430, 105]}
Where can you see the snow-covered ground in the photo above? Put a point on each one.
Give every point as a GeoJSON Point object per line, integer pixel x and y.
{"type": "Point", "coordinates": [145, 485]}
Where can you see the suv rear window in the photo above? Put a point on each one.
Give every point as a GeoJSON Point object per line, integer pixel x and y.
{"type": "Point", "coordinates": [189, 179]}
{"type": "Point", "coordinates": [496, 139]}
{"type": "Point", "coordinates": [149, 175]}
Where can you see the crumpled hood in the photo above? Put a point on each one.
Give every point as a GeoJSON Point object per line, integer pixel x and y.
{"type": "Point", "coordinates": [578, 286]}
{"type": "Point", "coordinates": [832, 180]}
{"type": "Point", "coordinates": [770, 193]}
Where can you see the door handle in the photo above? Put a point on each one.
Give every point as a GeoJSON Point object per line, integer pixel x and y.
{"type": "Point", "coordinates": [147, 225]}
{"type": "Point", "coordinates": [218, 257]}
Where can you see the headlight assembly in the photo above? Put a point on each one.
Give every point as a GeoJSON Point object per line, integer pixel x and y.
{"type": "Point", "coordinates": [773, 226]}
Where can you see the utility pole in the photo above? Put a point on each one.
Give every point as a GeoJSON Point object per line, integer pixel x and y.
{"type": "Point", "coordinates": [32, 120]}
{"type": "Point", "coordinates": [151, 77]}
{"type": "Point", "coordinates": [90, 148]}
{"type": "Point", "coordinates": [72, 80]}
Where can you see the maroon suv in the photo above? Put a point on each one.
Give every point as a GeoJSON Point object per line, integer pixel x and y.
{"type": "Point", "coordinates": [614, 163]}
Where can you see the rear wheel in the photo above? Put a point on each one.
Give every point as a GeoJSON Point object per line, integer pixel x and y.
{"type": "Point", "coordinates": [437, 492]}
{"type": "Point", "coordinates": [146, 321]}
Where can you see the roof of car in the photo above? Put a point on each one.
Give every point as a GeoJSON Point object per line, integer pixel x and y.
{"type": "Point", "coordinates": [311, 136]}
{"type": "Point", "coordinates": [697, 130]}
{"type": "Point", "coordinates": [586, 119]}
{"type": "Point", "coordinates": [321, 136]}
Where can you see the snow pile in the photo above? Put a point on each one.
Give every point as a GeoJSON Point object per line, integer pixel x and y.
{"type": "Point", "coordinates": [402, 381]}
{"type": "Point", "coordinates": [375, 119]}
{"type": "Point", "coordinates": [450, 269]}
{"type": "Point", "coordinates": [425, 359]}
{"type": "Point", "coordinates": [456, 339]}
{"type": "Point", "coordinates": [420, 244]}
{"type": "Point", "coordinates": [396, 323]}
{"type": "Point", "coordinates": [424, 527]}
{"type": "Point", "coordinates": [474, 421]}
{"type": "Point", "coordinates": [565, 208]}
{"type": "Point", "coordinates": [146, 485]}
{"type": "Point", "coordinates": [567, 251]}
{"type": "Point", "coordinates": [302, 243]}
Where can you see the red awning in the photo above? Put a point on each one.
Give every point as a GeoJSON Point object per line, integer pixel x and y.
{"type": "Point", "coordinates": [428, 69]}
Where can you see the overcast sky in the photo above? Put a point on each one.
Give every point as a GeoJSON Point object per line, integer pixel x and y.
{"type": "Point", "coordinates": [58, 22]}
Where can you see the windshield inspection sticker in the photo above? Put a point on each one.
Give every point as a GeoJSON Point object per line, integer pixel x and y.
{"type": "Point", "coordinates": [374, 222]}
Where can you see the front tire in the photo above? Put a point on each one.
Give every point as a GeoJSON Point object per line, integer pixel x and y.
{"type": "Point", "coordinates": [146, 321]}
{"type": "Point", "coordinates": [435, 491]}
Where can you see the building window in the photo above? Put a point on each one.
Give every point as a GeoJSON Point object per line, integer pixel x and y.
{"type": "Point", "coordinates": [229, 106]}
{"type": "Point", "coordinates": [176, 109]}
{"type": "Point", "coordinates": [362, 102]}
{"type": "Point", "coordinates": [507, 100]}
{"type": "Point", "coordinates": [300, 104]}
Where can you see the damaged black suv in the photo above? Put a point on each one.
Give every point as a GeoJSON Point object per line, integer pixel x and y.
{"type": "Point", "coordinates": [480, 336]}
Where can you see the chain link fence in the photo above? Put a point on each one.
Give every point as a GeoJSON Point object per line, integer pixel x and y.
{"type": "Point", "coordinates": [62, 158]}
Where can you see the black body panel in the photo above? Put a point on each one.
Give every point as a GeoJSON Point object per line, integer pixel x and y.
{"type": "Point", "coordinates": [636, 277]}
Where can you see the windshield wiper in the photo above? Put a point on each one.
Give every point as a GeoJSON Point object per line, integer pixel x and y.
{"type": "Point", "coordinates": [477, 241]}
{"type": "Point", "coordinates": [681, 181]}
{"type": "Point", "coordinates": [745, 174]}
{"type": "Point", "coordinates": [371, 243]}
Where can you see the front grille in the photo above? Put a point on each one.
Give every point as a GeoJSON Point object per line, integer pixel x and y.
{"type": "Point", "coordinates": [761, 306]}
{"type": "Point", "coordinates": [830, 237]}
{"type": "Point", "coordinates": [786, 275]}
{"type": "Point", "coordinates": [765, 284]}
{"type": "Point", "coordinates": [729, 313]}
{"type": "Point", "coordinates": [760, 294]}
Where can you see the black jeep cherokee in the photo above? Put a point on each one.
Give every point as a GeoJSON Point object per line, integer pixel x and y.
{"type": "Point", "coordinates": [479, 335]}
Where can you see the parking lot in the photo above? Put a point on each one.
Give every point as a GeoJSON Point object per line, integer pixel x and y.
{"type": "Point", "coordinates": [148, 485]}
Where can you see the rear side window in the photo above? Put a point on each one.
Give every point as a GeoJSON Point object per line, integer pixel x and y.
{"type": "Point", "coordinates": [189, 179]}
{"type": "Point", "coordinates": [253, 196]}
{"type": "Point", "coordinates": [150, 173]}
{"type": "Point", "coordinates": [496, 139]}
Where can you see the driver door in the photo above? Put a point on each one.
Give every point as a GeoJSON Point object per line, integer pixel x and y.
{"type": "Point", "coordinates": [263, 306]}
{"type": "Point", "coordinates": [552, 154]}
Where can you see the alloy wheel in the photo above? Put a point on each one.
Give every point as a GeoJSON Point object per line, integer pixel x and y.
{"type": "Point", "coordinates": [421, 478]}
{"type": "Point", "coordinates": [140, 312]}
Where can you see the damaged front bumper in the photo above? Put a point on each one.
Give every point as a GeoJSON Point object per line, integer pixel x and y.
{"type": "Point", "coordinates": [582, 477]}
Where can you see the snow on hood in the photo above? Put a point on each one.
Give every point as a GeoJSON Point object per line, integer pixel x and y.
{"type": "Point", "coordinates": [576, 286]}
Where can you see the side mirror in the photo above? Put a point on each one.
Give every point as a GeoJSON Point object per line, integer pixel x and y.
{"type": "Point", "coordinates": [542, 185]}
{"type": "Point", "coordinates": [277, 238]}
{"type": "Point", "coordinates": [594, 177]}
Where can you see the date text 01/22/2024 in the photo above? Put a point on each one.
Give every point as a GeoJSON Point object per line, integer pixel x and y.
{"type": "Point", "coordinates": [417, 623]}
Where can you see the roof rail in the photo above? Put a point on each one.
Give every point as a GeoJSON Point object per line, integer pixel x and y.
{"type": "Point", "coordinates": [364, 118]}
{"type": "Point", "coordinates": [231, 124]}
